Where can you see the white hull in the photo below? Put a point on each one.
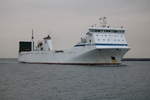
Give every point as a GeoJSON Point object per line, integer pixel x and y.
{"type": "Point", "coordinates": [76, 55]}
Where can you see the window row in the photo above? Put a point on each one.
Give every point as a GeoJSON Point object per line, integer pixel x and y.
{"type": "Point", "coordinates": [106, 35]}
{"type": "Point", "coordinates": [110, 40]}
{"type": "Point", "coordinates": [102, 30]}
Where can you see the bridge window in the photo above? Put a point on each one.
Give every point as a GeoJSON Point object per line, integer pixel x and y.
{"type": "Point", "coordinates": [102, 30]}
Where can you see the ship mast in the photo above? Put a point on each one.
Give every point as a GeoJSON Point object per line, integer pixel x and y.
{"type": "Point", "coordinates": [103, 21]}
{"type": "Point", "coordinates": [32, 40]}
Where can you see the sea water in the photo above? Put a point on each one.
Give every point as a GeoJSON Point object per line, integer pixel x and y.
{"type": "Point", "coordinates": [19, 81]}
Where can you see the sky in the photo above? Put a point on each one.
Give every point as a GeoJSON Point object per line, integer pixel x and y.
{"type": "Point", "coordinates": [66, 20]}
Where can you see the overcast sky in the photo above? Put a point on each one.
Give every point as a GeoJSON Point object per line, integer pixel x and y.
{"type": "Point", "coordinates": [67, 19]}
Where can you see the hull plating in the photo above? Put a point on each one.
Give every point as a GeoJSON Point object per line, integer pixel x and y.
{"type": "Point", "coordinates": [76, 55]}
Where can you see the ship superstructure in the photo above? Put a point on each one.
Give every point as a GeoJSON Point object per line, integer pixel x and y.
{"type": "Point", "coordinates": [100, 45]}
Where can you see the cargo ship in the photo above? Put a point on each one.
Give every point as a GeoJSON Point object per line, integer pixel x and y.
{"type": "Point", "coordinates": [101, 44]}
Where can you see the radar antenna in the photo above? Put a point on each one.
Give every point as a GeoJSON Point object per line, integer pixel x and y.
{"type": "Point", "coordinates": [103, 21]}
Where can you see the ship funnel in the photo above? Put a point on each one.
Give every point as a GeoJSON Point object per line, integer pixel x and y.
{"type": "Point", "coordinates": [47, 43]}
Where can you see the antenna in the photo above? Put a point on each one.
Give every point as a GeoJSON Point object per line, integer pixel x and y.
{"type": "Point", "coordinates": [103, 21]}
